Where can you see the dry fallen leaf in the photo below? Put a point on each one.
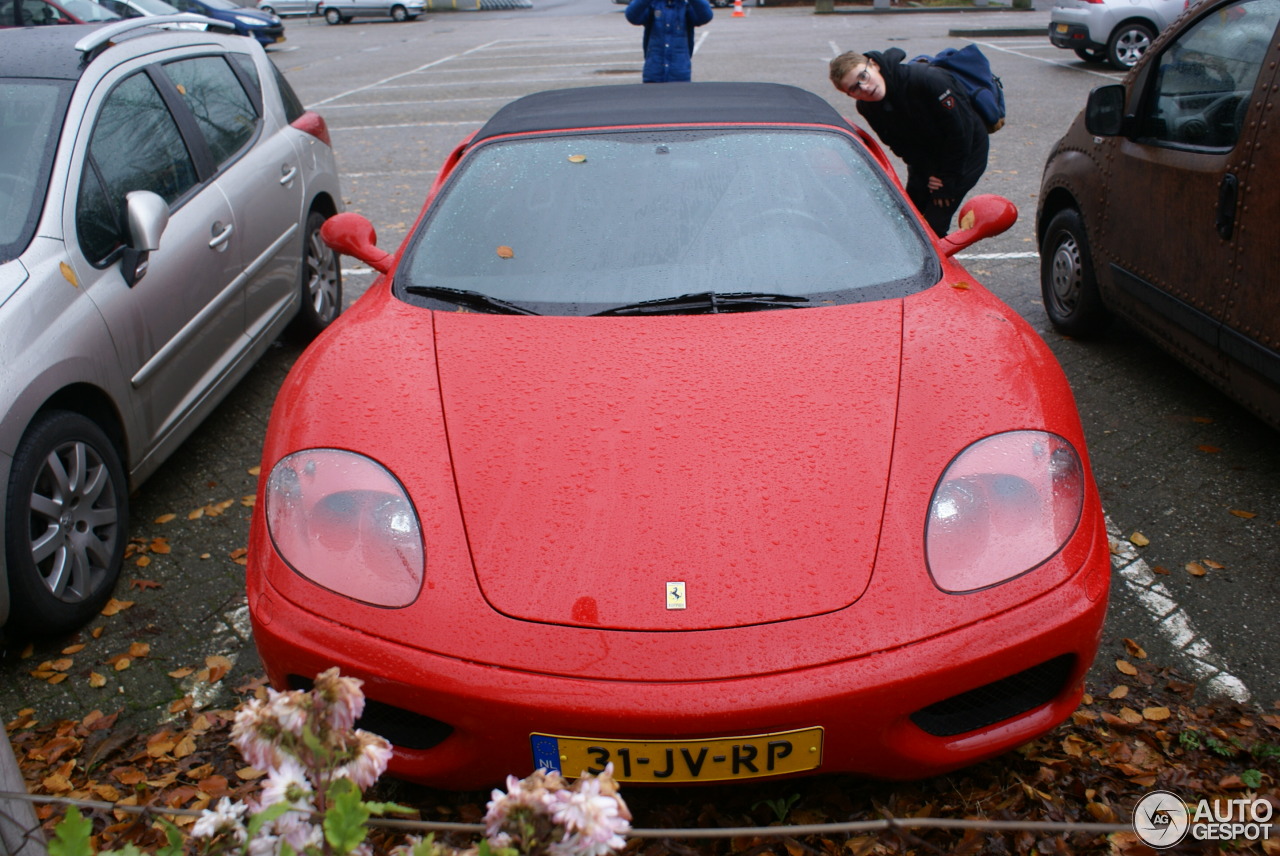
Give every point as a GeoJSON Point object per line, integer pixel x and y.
{"type": "Point", "coordinates": [96, 680]}
{"type": "Point", "coordinates": [1209, 449]}
{"type": "Point", "coordinates": [505, 252]}
{"type": "Point", "coordinates": [960, 286]}
{"type": "Point", "coordinates": [1160, 569]}
{"type": "Point", "coordinates": [253, 471]}
{"type": "Point", "coordinates": [1119, 692]}
{"type": "Point", "coordinates": [1134, 649]}
{"type": "Point", "coordinates": [165, 518]}
{"type": "Point", "coordinates": [139, 649]}
{"type": "Point", "coordinates": [1130, 715]}
{"type": "Point", "coordinates": [114, 606]}
{"type": "Point", "coordinates": [1196, 569]}
{"type": "Point", "coordinates": [1210, 563]}
{"type": "Point", "coordinates": [1247, 515]}
{"type": "Point", "coordinates": [73, 649]}
{"type": "Point", "coordinates": [1156, 714]}
{"type": "Point", "coordinates": [1126, 667]}
{"type": "Point", "coordinates": [143, 561]}
{"type": "Point", "coordinates": [196, 515]}
{"type": "Point", "coordinates": [1139, 540]}
{"type": "Point", "coordinates": [160, 545]}
{"type": "Point", "coordinates": [182, 673]}
{"type": "Point", "coordinates": [577, 158]}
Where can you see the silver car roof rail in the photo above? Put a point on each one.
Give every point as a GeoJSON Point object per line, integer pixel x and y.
{"type": "Point", "coordinates": [102, 35]}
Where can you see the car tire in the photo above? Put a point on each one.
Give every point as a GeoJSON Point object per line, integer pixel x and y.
{"type": "Point", "coordinates": [319, 281]}
{"type": "Point", "coordinates": [1128, 43]}
{"type": "Point", "coordinates": [1092, 54]}
{"type": "Point", "coordinates": [333, 16]}
{"type": "Point", "coordinates": [1067, 280]}
{"type": "Point", "coordinates": [399, 14]}
{"type": "Point", "coordinates": [67, 519]}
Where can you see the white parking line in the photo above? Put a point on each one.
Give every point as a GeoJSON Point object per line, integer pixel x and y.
{"type": "Point", "coordinates": [1068, 64]}
{"type": "Point", "coordinates": [1172, 621]}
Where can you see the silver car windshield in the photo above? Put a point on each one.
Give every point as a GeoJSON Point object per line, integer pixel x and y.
{"type": "Point", "coordinates": [30, 120]}
{"type": "Point", "coordinates": [574, 225]}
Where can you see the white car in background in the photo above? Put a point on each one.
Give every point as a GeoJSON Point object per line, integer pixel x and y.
{"type": "Point", "coordinates": [1112, 31]}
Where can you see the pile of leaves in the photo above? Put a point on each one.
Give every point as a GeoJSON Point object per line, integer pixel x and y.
{"type": "Point", "coordinates": [1143, 734]}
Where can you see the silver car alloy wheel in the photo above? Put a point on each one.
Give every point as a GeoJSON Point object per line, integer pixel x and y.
{"type": "Point", "coordinates": [1130, 45]}
{"type": "Point", "coordinates": [74, 522]}
{"type": "Point", "coordinates": [323, 289]}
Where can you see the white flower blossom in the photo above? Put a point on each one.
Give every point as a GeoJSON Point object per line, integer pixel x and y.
{"type": "Point", "coordinates": [224, 819]}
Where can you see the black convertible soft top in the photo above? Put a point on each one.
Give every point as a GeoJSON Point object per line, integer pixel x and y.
{"type": "Point", "coordinates": [661, 104]}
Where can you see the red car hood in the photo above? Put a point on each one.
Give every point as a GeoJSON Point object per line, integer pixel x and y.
{"type": "Point", "coordinates": [599, 460]}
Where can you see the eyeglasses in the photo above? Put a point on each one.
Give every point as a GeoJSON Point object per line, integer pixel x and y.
{"type": "Point", "coordinates": [862, 81]}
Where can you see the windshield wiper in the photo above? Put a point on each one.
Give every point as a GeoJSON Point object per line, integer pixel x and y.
{"type": "Point", "coordinates": [469, 299]}
{"type": "Point", "coordinates": [715, 301]}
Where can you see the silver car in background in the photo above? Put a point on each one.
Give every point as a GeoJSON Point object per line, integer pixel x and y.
{"type": "Point", "coordinates": [1117, 32]}
{"type": "Point", "coordinates": [289, 7]}
{"type": "Point", "coordinates": [161, 197]}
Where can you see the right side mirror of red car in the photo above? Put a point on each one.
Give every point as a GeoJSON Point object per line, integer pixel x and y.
{"type": "Point", "coordinates": [981, 217]}
{"type": "Point", "coordinates": [353, 235]}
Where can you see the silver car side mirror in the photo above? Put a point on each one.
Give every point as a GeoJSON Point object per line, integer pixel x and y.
{"type": "Point", "coordinates": [148, 215]}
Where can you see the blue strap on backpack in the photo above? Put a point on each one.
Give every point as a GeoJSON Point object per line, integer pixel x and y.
{"type": "Point", "coordinates": [971, 70]}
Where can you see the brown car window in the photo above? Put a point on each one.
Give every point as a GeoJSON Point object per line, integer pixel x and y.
{"type": "Point", "coordinates": [1204, 78]}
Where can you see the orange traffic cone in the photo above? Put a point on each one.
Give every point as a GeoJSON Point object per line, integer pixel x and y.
{"type": "Point", "coordinates": [737, 9]}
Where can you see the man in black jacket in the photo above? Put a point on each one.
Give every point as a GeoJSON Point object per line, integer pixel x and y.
{"type": "Point", "coordinates": [925, 118]}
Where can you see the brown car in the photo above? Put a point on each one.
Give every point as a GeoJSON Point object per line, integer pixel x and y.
{"type": "Point", "coordinates": [1162, 201]}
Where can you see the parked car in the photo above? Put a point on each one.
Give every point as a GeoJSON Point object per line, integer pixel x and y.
{"type": "Point", "coordinates": [150, 9]}
{"type": "Point", "coordinates": [161, 198]}
{"type": "Point", "coordinates": [342, 11]}
{"type": "Point", "coordinates": [289, 7]}
{"type": "Point", "coordinates": [262, 26]}
{"type": "Point", "coordinates": [615, 485]}
{"type": "Point", "coordinates": [36, 13]}
{"type": "Point", "coordinates": [1156, 206]}
{"type": "Point", "coordinates": [1113, 31]}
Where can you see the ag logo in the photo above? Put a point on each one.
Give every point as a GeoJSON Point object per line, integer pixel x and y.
{"type": "Point", "coordinates": [1161, 819]}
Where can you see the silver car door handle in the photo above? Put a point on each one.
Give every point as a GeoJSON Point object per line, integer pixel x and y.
{"type": "Point", "coordinates": [222, 237]}
{"type": "Point", "coordinates": [288, 172]}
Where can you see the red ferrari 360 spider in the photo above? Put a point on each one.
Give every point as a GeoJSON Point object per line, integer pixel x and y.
{"type": "Point", "coordinates": [672, 438]}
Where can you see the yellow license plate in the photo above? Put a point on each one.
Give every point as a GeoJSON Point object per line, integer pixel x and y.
{"type": "Point", "coordinates": [1062, 28]}
{"type": "Point", "coordinates": [669, 761]}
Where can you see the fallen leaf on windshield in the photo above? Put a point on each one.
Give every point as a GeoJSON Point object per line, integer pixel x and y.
{"type": "Point", "coordinates": [1139, 540]}
{"type": "Point", "coordinates": [505, 252]}
{"type": "Point", "coordinates": [577, 158]}
{"type": "Point", "coordinates": [1196, 569]}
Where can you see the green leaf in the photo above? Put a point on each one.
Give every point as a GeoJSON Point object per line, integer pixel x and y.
{"type": "Point", "coordinates": [262, 818]}
{"type": "Point", "coordinates": [1252, 779]}
{"type": "Point", "coordinates": [174, 836]}
{"type": "Point", "coordinates": [71, 835]}
{"type": "Point", "coordinates": [388, 808]}
{"type": "Point", "coordinates": [129, 850]}
{"type": "Point", "coordinates": [344, 822]}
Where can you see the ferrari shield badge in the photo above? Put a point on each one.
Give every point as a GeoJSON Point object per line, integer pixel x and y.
{"type": "Point", "coordinates": [675, 595]}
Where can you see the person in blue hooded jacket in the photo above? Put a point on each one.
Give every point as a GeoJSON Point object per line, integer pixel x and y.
{"type": "Point", "coordinates": [668, 36]}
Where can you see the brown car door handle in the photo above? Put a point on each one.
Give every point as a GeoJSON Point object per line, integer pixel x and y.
{"type": "Point", "coordinates": [1228, 190]}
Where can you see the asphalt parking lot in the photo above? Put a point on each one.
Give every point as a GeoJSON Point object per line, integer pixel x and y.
{"type": "Point", "coordinates": [1174, 460]}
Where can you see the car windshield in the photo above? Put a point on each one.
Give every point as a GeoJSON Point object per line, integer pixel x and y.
{"type": "Point", "coordinates": [88, 11]}
{"type": "Point", "coordinates": [580, 224]}
{"type": "Point", "coordinates": [155, 7]}
{"type": "Point", "coordinates": [226, 5]}
{"type": "Point", "coordinates": [30, 120]}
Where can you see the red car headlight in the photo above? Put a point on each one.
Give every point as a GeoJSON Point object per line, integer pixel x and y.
{"type": "Point", "coordinates": [1004, 506]}
{"type": "Point", "coordinates": [344, 522]}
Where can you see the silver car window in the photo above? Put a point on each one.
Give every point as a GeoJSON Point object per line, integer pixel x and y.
{"type": "Point", "coordinates": [135, 146]}
{"type": "Point", "coordinates": [30, 120]}
{"type": "Point", "coordinates": [222, 109]}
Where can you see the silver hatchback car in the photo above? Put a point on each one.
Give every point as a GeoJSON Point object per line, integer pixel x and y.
{"type": "Point", "coordinates": [1112, 31]}
{"type": "Point", "coordinates": [161, 197]}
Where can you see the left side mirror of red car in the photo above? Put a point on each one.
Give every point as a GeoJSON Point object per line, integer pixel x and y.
{"type": "Point", "coordinates": [353, 235]}
{"type": "Point", "coordinates": [981, 217]}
